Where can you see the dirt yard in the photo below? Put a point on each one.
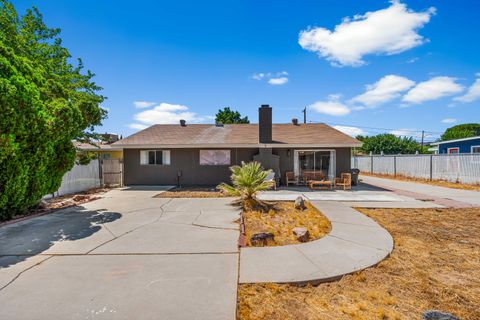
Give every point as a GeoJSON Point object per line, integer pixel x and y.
{"type": "Point", "coordinates": [282, 219]}
{"type": "Point", "coordinates": [435, 265]}
{"type": "Point", "coordinates": [191, 192]}
{"type": "Point", "coordinates": [439, 183]}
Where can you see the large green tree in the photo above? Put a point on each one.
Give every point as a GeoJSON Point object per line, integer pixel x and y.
{"type": "Point", "coordinates": [390, 144]}
{"type": "Point", "coordinates": [227, 116]}
{"type": "Point", "coordinates": [461, 131]}
{"type": "Point", "coordinates": [46, 101]}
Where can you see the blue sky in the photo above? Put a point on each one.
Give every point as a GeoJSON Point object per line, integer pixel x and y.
{"type": "Point", "coordinates": [410, 65]}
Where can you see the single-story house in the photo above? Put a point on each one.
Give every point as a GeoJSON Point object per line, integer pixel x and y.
{"type": "Point", "coordinates": [104, 149]}
{"type": "Point", "coordinates": [465, 145]}
{"type": "Point", "coordinates": [201, 154]}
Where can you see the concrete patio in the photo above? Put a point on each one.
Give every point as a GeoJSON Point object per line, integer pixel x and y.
{"type": "Point", "coordinates": [126, 256]}
{"type": "Point", "coordinates": [130, 255]}
{"type": "Point", "coordinates": [362, 195]}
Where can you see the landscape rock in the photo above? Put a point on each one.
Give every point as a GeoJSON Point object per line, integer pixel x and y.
{"type": "Point", "coordinates": [438, 315]}
{"type": "Point", "coordinates": [299, 203]}
{"type": "Point", "coordinates": [80, 197]}
{"type": "Point", "coordinates": [261, 238]}
{"type": "Point", "coordinates": [302, 234]}
{"type": "Point", "coordinates": [43, 204]}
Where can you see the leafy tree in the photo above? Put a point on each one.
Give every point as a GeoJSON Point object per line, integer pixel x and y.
{"type": "Point", "coordinates": [227, 116]}
{"type": "Point", "coordinates": [390, 144]}
{"type": "Point", "coordinates": [461, 131]}
{"type": "Point", "coordinates": [247, 180]}
{"type": "Point", "coordinates": [84, 157]}
{"type": "Point", "coordinates": [45, 103]}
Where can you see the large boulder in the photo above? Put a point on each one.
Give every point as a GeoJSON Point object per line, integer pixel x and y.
{"type": "Point", "coordinates": [299, 203]}
{"type": "Point", "coordinates": [301, 234]}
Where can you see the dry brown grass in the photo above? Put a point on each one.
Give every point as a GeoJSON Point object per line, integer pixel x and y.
{"type": "Point", "coordinates": [440, 183]}
{"type": "Point", "coordinates": [191, 192]}
{"type": "Point", "coordinates": [435, 265]}
{"type": "Point", "coordinates": [282, 219]}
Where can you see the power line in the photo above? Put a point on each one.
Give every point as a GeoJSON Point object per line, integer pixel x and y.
{"type": "Point", "coordinates": [382, 129]}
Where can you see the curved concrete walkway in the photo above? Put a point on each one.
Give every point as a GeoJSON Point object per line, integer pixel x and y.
{"type": "Point", "coordinates": [355, 242]}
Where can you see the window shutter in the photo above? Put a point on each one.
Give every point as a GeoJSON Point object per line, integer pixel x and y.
{"type": "Point", "coordinates": [143, 157]}
{"type": "Point", "coordinates": [166, 157]}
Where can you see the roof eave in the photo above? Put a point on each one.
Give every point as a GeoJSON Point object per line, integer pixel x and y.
{"type": "Point", "coordinates": [241, 145]}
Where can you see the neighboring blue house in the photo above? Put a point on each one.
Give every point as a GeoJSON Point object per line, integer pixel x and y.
{"type": "Point", "coordinates": [466, 145]}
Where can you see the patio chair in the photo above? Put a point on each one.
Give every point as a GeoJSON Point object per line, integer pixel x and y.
{"type": "Point", "coordinates": [290, 178]}
{"type": "Point", "coordinates": [345, 181]}
{"type": "Point", "coordinates": [271, 178]}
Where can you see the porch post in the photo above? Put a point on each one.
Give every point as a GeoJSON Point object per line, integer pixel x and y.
{"type": "Point", "coordinates": [332, 170]}
{"type": "Point", "coordinates": [296, 172]}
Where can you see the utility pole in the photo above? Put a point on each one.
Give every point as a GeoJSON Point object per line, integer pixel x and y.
{"type": "Point", "coordinates": [304, 115]}
{"type": "Point", "coordinates": [423, 136]}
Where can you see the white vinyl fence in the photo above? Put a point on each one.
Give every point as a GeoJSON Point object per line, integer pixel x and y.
{"type": "Point", "coordinates": [80, 178]}
{"type": "Point", "coordinates": [463, 168]}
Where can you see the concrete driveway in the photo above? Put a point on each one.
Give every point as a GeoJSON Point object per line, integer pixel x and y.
{"type": "Point", "coordinates": [126, 256]}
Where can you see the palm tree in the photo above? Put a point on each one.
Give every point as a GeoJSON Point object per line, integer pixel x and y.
{"type": "Point", "coordinates": [247, 180]}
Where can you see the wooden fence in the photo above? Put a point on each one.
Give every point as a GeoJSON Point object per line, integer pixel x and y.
{"type": "Point", "coordinates": [112, 172]}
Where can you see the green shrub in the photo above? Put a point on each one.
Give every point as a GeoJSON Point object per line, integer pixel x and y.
{"type": "Point", "coordinates": [247, 180]}
{"type": "Point", "coordinates": [45, 103]}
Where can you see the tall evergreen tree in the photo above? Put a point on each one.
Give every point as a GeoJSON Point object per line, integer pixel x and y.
{"type": "Point", "coordinates": [46, 101]}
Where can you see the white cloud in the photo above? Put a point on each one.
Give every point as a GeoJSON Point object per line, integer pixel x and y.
{"type": "Point", "coordinates": [164, 113]}
{"type": "Point", "coordinates": [449, 120]}
{"type": "Point", "coordinates": [258, 76]}
{"type": "Point", "coordinates": [273, 78]}
{"type": "Point", "coordinates": [386, 89]}
{"type": "Point", "coordinates": [278, 81]}
{"type": "Point", "coordinates": [332, 106]}
{"type": "Point", "coordinates": [351, 131]}
{"type": "Point", "coordinates": [413, 60]}
{"type": "Point", "coordinates": [137, 126]}
{"type": "Point", "coordinates": [473, 93]}
{"type": "Point", "coordinates": [143, 104]}
{"type": "Point", "coordinates": [435, 88]}
{"type": "Point", "coordinates": [387, 31]}
{"type": "Point", "coordinates": [406, 132]}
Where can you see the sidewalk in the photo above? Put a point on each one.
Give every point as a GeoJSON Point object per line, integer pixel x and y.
{"type": "Point", "coordinates": [356, 242]}
{"type": "Point", "coordinates": [446, 196]}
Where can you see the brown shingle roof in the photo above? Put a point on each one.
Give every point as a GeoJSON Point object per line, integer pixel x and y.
{"type": "Point", "coordinates": [318, 135]}
{"type": "Point", "coordinates": [90, 147]}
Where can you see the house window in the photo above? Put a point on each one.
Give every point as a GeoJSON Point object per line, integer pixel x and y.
{"type": "Point", "coordinates": [214, 157]}
{"type": "Point", "coordinates": [106, 156]}
{"type": "Point", "coordinates": [475, 149]}
{"type": "Point", "coordinates": [155, 157]}
{"type": "Point", "coordinates": [453, 150]}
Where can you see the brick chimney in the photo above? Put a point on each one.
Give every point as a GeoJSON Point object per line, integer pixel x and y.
{"type": "Point", "coordinates": [265, 124]}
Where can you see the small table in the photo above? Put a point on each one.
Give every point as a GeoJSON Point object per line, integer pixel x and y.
{"type": "Point", "coordinates": [320, 185]}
